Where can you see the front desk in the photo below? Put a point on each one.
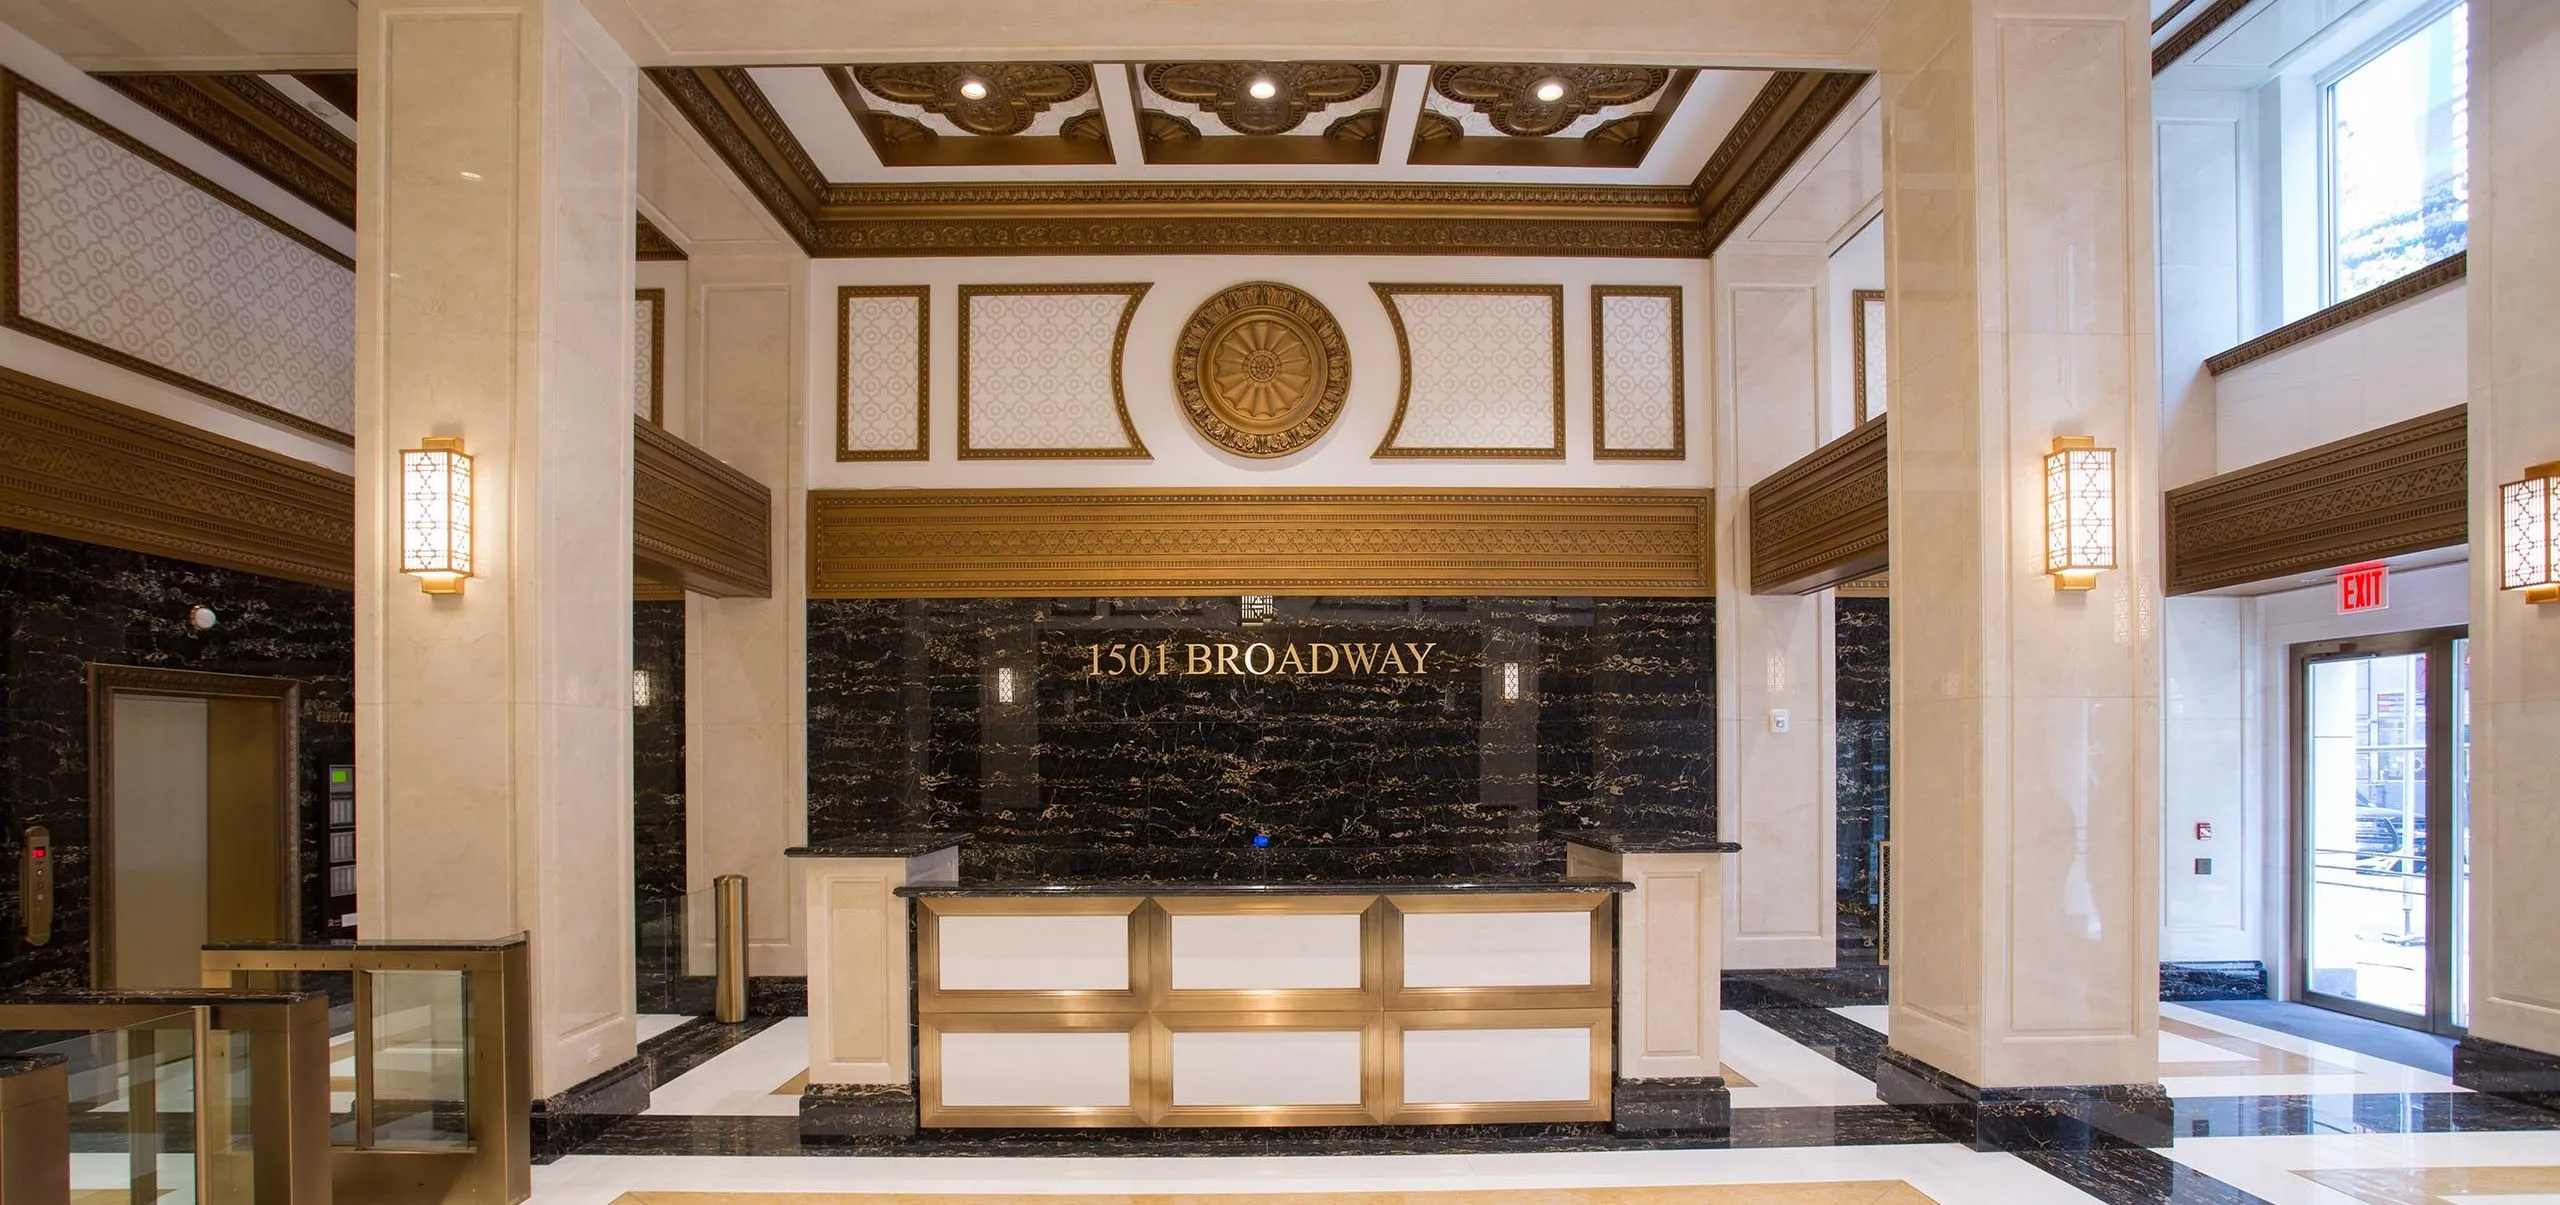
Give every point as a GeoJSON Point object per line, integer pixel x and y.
{"type": "Point", "coordinates": [1255, 996]}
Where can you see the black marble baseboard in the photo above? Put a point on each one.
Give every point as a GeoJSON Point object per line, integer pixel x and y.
{"type": "Point", "coordinates": [2027, 1119]}
{"type": "Point", "coordinates": [1700, 1107]}
{"type": "Point", "coordinates": [2185, 982]}
{"type": "Point", "coordinates": [564, 1122]}
{"type": "Point", "coordinates": [1812, 987]}
{"type": "Point", "coordinates": [777, 995]}
{"type": "Point", "coordinates": [857, 1113]}
{"type": "Point", "coordinates": [2525, 1076]}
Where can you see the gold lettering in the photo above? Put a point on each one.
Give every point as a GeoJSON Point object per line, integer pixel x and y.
{"type": "Point", "coordinates": [1289, 660]}
{"type": "Point", "coordinates": [1196, 659]}
{"type": "Point", "coordinates": [1250, 650]}
{"type": "Point", "coordinates": [1421, 651]}
{"type": "Point", "coordinates": [1322, 658]}
{"type": "Point", "coordinates": [1164, 658]}
{"type": "Point", "coordinates": [1142, 660]}
{"type": "Point", "coordinates": [1119, 659]}
{"type": "Point", "coordinates": [1227, 659]}
{"type": "Point", "coordinates": [1096, 650]}
{"type": "Point", "coordinates": [1360, 658]}
{"type": "Point", "coordinates": [1393, 663]}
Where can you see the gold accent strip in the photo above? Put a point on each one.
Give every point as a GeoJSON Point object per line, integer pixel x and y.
{"type": "Point", "coordinates": [657, 299]}
{"type": "Point", "coordinates": [2363, 305]}
{"type": "Point", "coordinates": [1600, 449]}
{"type": "Point", "coordinates": [923, 295]}
{"type": "Point", "coordinates": [16, 89]}
{"type": "Point", "coordinates": [1035, 543]}
{"type": "Point", "coordinates": [1554, 295]}
{"type": "Point", "coordinates": [1137, 449]}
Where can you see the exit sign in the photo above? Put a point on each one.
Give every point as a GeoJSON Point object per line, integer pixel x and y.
{"type": "Point", "coordinates": [2365, 587]}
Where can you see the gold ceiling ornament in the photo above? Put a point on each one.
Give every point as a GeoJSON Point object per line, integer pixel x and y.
{"type": "Point", "coordinates": [1516, 98]}
{"type": "Point", "coordinates": [1007, 96]}
{"type": "Point", "coordinates": [1367, 125]}
{"type": "Point", "coordinates": [1436, 127]}
{"type": "Point", "coordinates": [1230, 90]}
{"type": "Point", "coordinates": [1261, 369]}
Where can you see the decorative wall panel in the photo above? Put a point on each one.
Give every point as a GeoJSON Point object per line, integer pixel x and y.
{"type": "Point", "coordinates": [1032, 543]}
{"type": "Point", "coordinates": [1636, 374]}
{"type": "Point", "coordinates": [1040, 371]}
{"type": "Point", "coordinates": [1483, 370]}
{"type": "Point", "coordinates": [1821, 521]}
{"type": "Point", "coordinates": [649, 355]}
{"type": "Point", "coordinates": [695, 522]}
{"type": "Point", "coordinates": [2393, 490]}
{"type": "Point", "coordinates": [122, 254]}
{"type": "Point", "coordinates": [883, 356]}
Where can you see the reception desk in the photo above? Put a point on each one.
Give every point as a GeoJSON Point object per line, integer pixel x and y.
{"type": "Point", "coordinates": [1262, 993]}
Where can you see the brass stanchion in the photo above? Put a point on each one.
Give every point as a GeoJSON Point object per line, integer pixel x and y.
{"type": "Point", "coordinates": [729, 918]}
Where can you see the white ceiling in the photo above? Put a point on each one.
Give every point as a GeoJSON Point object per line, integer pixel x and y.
{"type": "Point", "coordinates": [808, 102]}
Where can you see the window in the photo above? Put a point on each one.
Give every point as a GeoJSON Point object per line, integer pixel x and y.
{"type": "Point", "coordinates": [2399, 157]}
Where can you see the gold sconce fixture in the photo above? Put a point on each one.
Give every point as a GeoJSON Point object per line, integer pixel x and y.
{"type": "Point", "coordinates": [1510, 682]}
{"type": "Point", "coordinates": [435, 514]}
{"type": "Point", "coordinates": [2079, 511]}
{"type": "Point", "coordinates": [2527, 533]}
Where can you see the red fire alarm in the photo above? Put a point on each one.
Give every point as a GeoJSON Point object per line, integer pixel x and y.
{"type": "Point", "coordinates": [2365, 587]}
{"type": "Point", "coordinates": [2204, 830]}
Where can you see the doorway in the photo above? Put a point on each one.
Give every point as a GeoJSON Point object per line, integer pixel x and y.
{"type": "Point", "coordinates": [191, 817]}
{"type": "Point", "coordinates": [2382, 822]}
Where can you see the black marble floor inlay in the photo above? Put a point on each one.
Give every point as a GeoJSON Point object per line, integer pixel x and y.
{"type": "Point", "coordinates": [1827, 1033]}
{"type": "Point", "coordinates": [2129, 1175]}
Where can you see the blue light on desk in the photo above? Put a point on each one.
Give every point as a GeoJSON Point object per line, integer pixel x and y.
{"type": "Point", "coordinates": [1262, 840]}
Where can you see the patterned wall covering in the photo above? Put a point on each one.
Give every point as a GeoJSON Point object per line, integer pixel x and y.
{"type": "Point", "coordinates": [1040, 371]}
{"type": "Point", "coordinates": [649, 355]}
{"type": "Point", "coordinates": [1483, 370]}
{"type": "Point", "coordinates": [121, 254]}
{"type": "Point", "coordinates": [1636, 370]}
{"type": "Point", "coordinates": [1864, 793]}
{"type": "Point", "coordinates": [1429, 772]}
{"type": "Point", "coordinates": [883, 372]}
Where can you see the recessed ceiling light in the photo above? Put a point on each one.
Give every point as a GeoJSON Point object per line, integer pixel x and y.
{"type": "Point", "coordinates": [973, 89]}
{"type": "Point", "coordinates": [1262, 88]}
{"type": "Point", "coordinates": [1551, 91]}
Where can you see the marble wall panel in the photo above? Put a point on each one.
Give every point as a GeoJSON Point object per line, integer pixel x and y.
{"type": "Point", "coordinates": [1864, 791]}
{"type": "Point", "coordinates": [658, 799]}
{"type": "Point", "coordinates": [64, 604]}
{"type": "Point", "coordinates": [911, 726]}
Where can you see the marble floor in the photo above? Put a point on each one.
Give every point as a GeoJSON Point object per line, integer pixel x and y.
{"type": "Point", "coordinates": [2262, 1116]}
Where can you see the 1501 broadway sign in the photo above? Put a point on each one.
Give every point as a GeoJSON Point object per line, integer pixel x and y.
{"type": "Point", "coordinates": [1260, 658]}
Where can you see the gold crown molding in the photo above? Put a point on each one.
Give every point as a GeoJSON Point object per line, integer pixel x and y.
{"type": "Point", "coordinates": [2393, 490]}
{"type": "Point", "coordinates": [1136, 449]}
{"type": "Point", "coordinates": [1600, 449]}
{"type": "Point", "coordinates": [1387, 294]}
{"type": "Point", "coordinates": [1301, 90]}
{"type": "Point", "coordinates": [1261, 369]}
{"type": "Point", "coordinates": [2354, 309]}
{"type": "Point", "coordinates": [2193, 33]}
{"type": "Point", "coordinates": [769, 162]}
{"type": "Point", "coordinates": [923, 450]}
{"type": "Point", "coordinates": [1792, 110]}
{"type": "Point", "coordinates": [1859, 336]}
{"type": "Point", "coordinates": [247, 118]}
{"type": "Point", "coordinates": [1877, 586]}
{"type": "Point", "coordinates": [1822, 520]}
{"type": "Point", "coordinates": [15, 88]}
{"type": "Point", "coordinates": [81, 467]}
{"type": "Point", "coordinates": [1075, 543]}
{"type": "Point", "coordinates": [1506, 93]}
{"type": "Point", "coordinates": [657, 299]}
{"type": "Point", "coordinates": [697, 523]}
{"type": "Point", "coordinates": [652, 244]}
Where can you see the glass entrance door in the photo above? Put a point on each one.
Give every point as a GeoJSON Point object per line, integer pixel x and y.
{"type": "Point", "coordinates": [2383, 863]}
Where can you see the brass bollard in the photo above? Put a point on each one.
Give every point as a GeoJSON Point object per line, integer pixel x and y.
{"type": "Point", "coordinates": [729, 919]}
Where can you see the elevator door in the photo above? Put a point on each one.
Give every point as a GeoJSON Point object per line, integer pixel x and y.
{"type": "Point", "coordinates": [2382, 859]}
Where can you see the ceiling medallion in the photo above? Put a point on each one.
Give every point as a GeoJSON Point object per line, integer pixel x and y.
{"type": "Point", "coordinates": [1296, 90]}
{"type": "Point", "coordinates": [1261, 369]}
{"type": "Point", "coordinates": [1511, 95]}
{"type": "Point", "coordinates": [990, 99]}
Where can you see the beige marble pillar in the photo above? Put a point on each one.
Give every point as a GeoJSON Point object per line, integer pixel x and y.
{"type": "Point", "coordinates": [2515, 646]}
{"type": "Point", "coordinates": [494, 278]}
{"type": "Point", "coordinates": [1774, 789]}
{"type": "Point", "coordinates": [2025, 728]}
{"type": "Point", "coordinates": [746, 726]}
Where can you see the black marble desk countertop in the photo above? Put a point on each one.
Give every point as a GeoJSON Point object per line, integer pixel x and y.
{"type": "Point", "coordinates": [1308, 871]}
{"type": "Point", "coordinates": [1049, 888]}
{"type": "Point", "coordinates": [881, 845]}
{"type": "Point", "coordinates": [1627, 843]}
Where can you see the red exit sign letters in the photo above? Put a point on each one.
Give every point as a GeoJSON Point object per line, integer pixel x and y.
{"type": "Point", "coordinates": [2365, 587]}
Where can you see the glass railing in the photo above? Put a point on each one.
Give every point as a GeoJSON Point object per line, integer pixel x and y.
{"type": "Point", "coordinates": [675, 956]}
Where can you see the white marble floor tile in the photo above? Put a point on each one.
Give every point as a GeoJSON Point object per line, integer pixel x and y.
{"type": "Point", "coordinates": [2365, 1073]}
{"type": "Point", "coordinates": [2269, 1167]}
{"type": "Point", "coordinates": [1784, 1072]}
{"type": "Point", "coordinates": [653, 1024]}
{"type": "Point", "coordinates": [739, 1081]}
{"type": "Point", "coordinates": [1870, 1015]}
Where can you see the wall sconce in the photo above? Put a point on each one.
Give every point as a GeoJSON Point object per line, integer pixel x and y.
{"type": "Point", "coordinates": [2526, 531]}
{"type": "Point", "coordinates": [1510, 682]}
{"type": "Point", "coordinates": [435, 514]}
{"type": "Point", "coordinates": [2079, 511]}
{"type": "Point", "coordinates": [643, 691]}
{"type": "Point", "coordinates": [1004, 684]}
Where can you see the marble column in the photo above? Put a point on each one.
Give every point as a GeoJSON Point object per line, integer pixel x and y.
{"type": "Point", "coordinates": [2025, 729]}
{"type": "Point", "coordinates": [1780, 905]}
{"type": "Point", "coordinates": [2514, 1045]}
{"type": "Point", "coordinates": [746, 730]}
{"type": "Point", "coordinates": [494, 277]}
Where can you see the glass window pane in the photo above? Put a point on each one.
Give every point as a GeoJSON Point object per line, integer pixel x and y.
{"type": "Point", "coordinates": [2365, 799]}
{"type": "Point", "coordinates": [2399, 156]}
{"type": "Point", "coordinates": [421, 1058]}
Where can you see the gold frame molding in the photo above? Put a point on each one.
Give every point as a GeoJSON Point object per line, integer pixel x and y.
{"type": "Point", "coordinates": [14, 90]}
{"type": "Point", "coordinates": [657, 299]}
{"type": "Point", "coordinates": [1387, 294]}
{"type": "Point", "coordinates": [1596, 991]}
{"type": "Point", "coordinates": [1858, 336]}
{"type": "Point", "coordinates": [1070, 543]}
{"type": "Point", "coordinates": [1600, 449]}
{"type": "Point", "coordinates": [1137, 449]}
{"type": "Point", "coordinates": [923, 295]}
{"type": "Point", "coordinates": [1597, 1107]}
{"type": "Point", "coordinates": [2363, 305]}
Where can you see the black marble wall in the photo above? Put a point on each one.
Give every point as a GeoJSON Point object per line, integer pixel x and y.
{"type": "Point", "coordinates": [1414, 773]}
{"type": "Point", "coordinates": [64, 604]}
{"type": "Point", "coordinates": [657, 796]}
{"type": "Point", "coordinates": [1863, 711]}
